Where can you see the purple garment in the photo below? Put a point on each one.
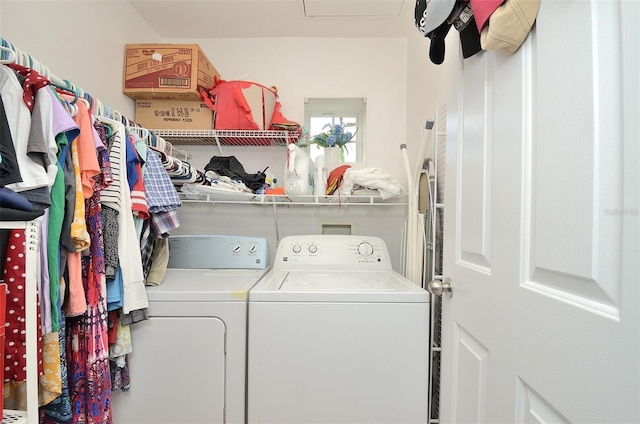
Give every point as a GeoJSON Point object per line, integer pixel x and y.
{"type": "Point", "coordinates": [45, 299]}
{"type": "Point", "coordinates": [97, 141]}
{"type": "Point", "coordinates": [62, 123]}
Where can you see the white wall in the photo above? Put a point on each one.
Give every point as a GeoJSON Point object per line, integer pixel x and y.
{"type": "Point", "coordinates": [394, 74]}
{"type": "Point", "coordinates": [401, 86]}
{"type": "Point", "coordinates": [324, 67]}
{"type": "Point", "coordinates": [81, 41]}
{"type": "Point", "coordinates": [428, 85]}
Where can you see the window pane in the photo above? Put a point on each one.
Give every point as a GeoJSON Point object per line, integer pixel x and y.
{"type": "Point", "coordinates": [319, 124]}
{"type": "Point", "coordinates": [321, 112]}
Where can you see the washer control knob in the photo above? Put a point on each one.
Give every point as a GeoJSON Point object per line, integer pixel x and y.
{"type": "Point", "coordinates": [313, 248]}
{"type": "Point", "coordinates": [365, 249]}
{"type": "Point", "coordinates": [237, 248]}
{"type": "Point", "coordinates": [296, 248]}
{"type": "Point", "coordinates": [253, 247]}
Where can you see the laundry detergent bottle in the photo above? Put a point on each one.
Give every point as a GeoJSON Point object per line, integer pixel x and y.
{"type": "Point", "coordinates": [298, 175]}
{"type": "Point", "coordinates": [320, 177]}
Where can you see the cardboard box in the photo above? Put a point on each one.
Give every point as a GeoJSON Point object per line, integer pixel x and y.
{"type": "Point", "coordinates": [173, 114]}
{"type": "Point", "coordinates": [166, 72]}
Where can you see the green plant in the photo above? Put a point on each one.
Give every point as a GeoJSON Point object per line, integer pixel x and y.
{"type": "Point", "coordinates": [333, 135]}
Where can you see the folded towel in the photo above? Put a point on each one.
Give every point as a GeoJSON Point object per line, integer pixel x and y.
{"type": "Point", "coordinates": [373, 178]}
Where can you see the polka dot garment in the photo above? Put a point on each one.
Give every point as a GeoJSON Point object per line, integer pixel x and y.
{"type": "Point", "coordinates": [33, 82]}
{"type": "Point", "coordinates": [15, 328]}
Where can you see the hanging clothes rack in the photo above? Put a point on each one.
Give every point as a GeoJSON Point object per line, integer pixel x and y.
{"type": "Point", "coordinates": [11, 54]}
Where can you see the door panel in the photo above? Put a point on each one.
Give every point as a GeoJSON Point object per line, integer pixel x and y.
{"type": "Point", "coordinates": [472, 365]}
{"type": "Point", "coordinates": [474, 178]}
{"type": "Point", "coordinates": [564, 212]}
{"type": "Point", "coordinates": [541, 225]}
{"type": "Point", "coordinates": [532, 408]}
{"type": "Point", "coordinates": [178, 372]}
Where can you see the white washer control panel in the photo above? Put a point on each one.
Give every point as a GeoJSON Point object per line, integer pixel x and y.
{"type": "Point", "coordinates": [332, 252]}
{"type": "Point", "coordinates": [365, 248]}
{"type": "Point", "coordinates": [217, 252]}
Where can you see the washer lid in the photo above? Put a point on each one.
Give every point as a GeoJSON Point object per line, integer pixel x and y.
{"type": "Point", "coordinates": [337, 286]}
{"type": "Point", "coordinates": [204, 285]}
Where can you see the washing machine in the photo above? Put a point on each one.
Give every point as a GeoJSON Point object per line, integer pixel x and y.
{"type": "Point", "coordinates": [188, 363]}
{"type": "Point", "coordinates": [337, 336]}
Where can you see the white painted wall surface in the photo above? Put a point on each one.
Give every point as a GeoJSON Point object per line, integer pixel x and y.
{"type": "Point", "coordinates": [401, 86]}
{"type": "Point", "coordinates": [82, 42]}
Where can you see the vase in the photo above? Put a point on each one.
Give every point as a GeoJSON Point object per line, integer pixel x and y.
{"type": "Point", "coordinates": [332, 156]}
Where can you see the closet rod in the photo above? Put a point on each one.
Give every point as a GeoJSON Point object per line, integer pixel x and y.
{"type": "Point", "coordinates": [97, 106]}
{"type": "Point", "coordinates": [28, 61]}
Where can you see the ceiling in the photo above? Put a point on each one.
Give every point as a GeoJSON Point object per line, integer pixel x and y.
{"type": "Point", "coordinates": [277, 18]}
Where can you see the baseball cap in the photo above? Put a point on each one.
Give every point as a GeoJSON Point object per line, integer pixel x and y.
{"type": "Point", "coordinates": [509, 25]}
{"type": "Point", "coordinates": [430, 14]}
{"type": "Point", "coordinates": [437, 44]}
{"type": "Point", "coordinates": [461, 18]}
{"type": "Point", "coordinates": [482, 9]}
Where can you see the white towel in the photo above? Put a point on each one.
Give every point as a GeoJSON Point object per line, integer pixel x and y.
{"type": "Point", "coordinates": [373, 178]}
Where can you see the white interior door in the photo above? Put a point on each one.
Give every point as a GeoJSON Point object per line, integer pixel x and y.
{"type": "Point", "coordinates": [542, 226]}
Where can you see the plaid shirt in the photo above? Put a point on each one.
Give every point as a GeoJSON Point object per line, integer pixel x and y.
{"type": "Point", "coordinates": [161, 193]}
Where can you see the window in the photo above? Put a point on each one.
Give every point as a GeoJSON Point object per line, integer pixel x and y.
{"type": "Point", "coordinates": [319, 112]}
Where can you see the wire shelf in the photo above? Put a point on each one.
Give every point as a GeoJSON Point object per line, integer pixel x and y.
{"type": "Point", "coordinates": [294, 200]}
{"type": "Point", "coordinates": [228, 137]}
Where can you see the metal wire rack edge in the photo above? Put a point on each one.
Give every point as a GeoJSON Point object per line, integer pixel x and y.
{"type": "Point", "coordinates": [300, 200]}
{"type": "Point", "coordinates": [228, 137]}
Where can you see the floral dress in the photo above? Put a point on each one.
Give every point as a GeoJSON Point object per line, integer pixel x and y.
{"type": "Point", "coordinates": [87, 338]}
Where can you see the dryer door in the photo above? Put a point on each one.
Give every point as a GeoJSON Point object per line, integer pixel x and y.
{"type": "Point", "coordinates": [177, 372]}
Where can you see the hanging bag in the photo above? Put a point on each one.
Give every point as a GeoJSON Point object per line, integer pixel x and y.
{"type": "Point", "coordinates": [240, 105]}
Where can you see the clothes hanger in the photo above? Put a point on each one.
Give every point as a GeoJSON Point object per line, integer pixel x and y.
{"type": "Point", "coordinates": [72, 108]}
{"type": "Point", "coordinates": [23, 58]}
{"type": "Point", "coordinates": [107, 110]}
{"type": "Point", "coordinates": [11, 56]}
{"type": "Point", "coordinates": [116, 116]}
{"type": "Point", "coordinates": [67, 90]}
{"type": "Point", "coordinates": [20, 58]}
{"type": "Point", "coordinates": [160, 153]}
{"type": "Point", "coordinates": [141, 132]}
{"type": "Point", "coordinates": [124, 120]}
{"type": "Point", "coordinates": [99, 109]}
{"type": "Point", "coordinates": [89, 99]}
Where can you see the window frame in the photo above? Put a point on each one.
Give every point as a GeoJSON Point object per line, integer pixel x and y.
{"type": "Point", "coordinates": [337, 107]}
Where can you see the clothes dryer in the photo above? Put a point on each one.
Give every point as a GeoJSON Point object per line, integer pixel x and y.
{"type": "Point", "coordinates": [188, 363]}
{"type": "Point", "coordinates": [337, 336]}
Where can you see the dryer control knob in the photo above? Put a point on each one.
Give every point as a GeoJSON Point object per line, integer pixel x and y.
{"type": "Point", "coordinates": [365, 249]}
{"type": "Point", "coordinates": [237, 248]}
{"type": "Point", "coordinates": [296, 248]}
{"type": "Point", "coordinates": [313, 248]}
{"type": "Point", "coordinates": [253, 247]}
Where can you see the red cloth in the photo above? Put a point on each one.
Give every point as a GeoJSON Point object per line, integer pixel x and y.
{"type": "Point", "coordinates": [15, 342]}
{"type": "Point", "coordinates": [33, 82]}
{"type": "Point", "coordinates": [139, 204]}
{"type": "Point", "coordinates": [335, 178]}
{"type": "Point", "coordinates": [483, 9]}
